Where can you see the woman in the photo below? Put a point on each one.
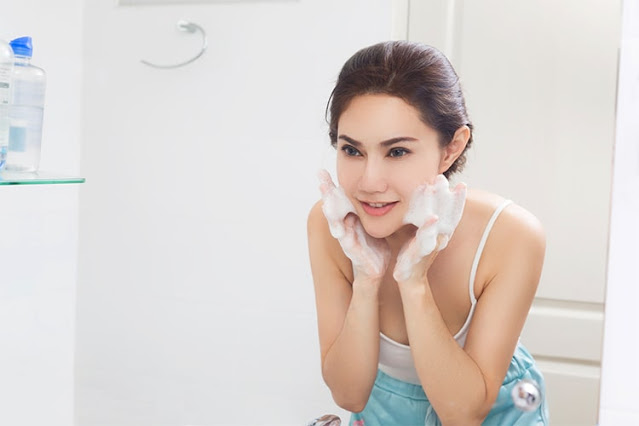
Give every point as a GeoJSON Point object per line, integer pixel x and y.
{"type": "Point", "coordinates": [439, 345]}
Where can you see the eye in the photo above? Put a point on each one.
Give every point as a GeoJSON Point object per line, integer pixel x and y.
{"type": "Point", "coordinates": [350, 151]}
{"type": "Point", "coordinates": [398, 152]}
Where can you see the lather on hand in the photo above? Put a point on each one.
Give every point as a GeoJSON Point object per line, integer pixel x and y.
{"type": "Point", "coordinates": [436, 211]}
{"type": "Point", "coordinates": [370, 256]}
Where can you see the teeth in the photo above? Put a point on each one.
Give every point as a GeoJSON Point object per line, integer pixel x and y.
{"type": "Point", "coordinates": [377, 204]}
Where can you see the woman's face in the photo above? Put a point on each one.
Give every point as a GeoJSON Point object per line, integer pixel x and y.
{"type": "Point", "coordinates": [384, 151]}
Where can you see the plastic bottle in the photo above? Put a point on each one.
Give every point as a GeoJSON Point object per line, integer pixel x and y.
{"type": "Point", "coordinates": [27, 107]}
{"type": "Point", "coordinates": [6, 70]}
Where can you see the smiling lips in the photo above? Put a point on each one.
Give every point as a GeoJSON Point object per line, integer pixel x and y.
{"type": "Point", "coordinates": [377, 209]}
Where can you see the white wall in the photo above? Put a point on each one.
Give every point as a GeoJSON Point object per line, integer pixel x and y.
{"type": "Point", "coordinates": [39, 230]}
{"type": "Point", "coordinates": [195, 300]}
{"type": "Point", "coordinates": [620, 374]}
{"type": "Point", "coordinates": [183, 167]}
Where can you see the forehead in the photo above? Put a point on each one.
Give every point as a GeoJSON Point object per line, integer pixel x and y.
{"type": "Point", "coordinates": [375, 117]}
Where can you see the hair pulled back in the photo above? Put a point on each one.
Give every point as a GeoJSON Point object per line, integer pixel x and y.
{"type": "Point", "coordinates": [419, 74]}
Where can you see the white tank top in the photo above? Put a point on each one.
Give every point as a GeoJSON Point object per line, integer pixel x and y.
{"type": "Point", "coordinates": [395, 358]}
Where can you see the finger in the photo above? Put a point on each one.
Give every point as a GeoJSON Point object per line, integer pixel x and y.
{"type": "Point", "coordinates": [412, 251]}
{"type": "Point", "coordinates": [326, 182]}
{"type": "Point", "coordinates": [426, 261]}
{"type": "Point", "coordinates": [337, 229]}
{"type": "Point", "coordinates": [459, 197]}
{"type": "Point", "coordinates": [406, 259]}
{"type": "Point", "coordinates": [426, 238]}
{"type": "Point", "coordinates": [350, 220]}
{"type": "Point", "coordinates": [459, 188]}
{"type": "Point", "coordinates": [430, 221]}
{"type": "Point", "coordinates": [347, 241]}
{"type": "Point", "coordinates": [426, 230]}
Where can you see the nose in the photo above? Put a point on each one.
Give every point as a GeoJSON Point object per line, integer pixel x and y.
{"type": "Point", "coordinates": [373, 178]}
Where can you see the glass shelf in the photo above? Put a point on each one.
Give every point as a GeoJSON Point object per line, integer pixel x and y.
{"type": "Point", "coordinates": [36, 178]}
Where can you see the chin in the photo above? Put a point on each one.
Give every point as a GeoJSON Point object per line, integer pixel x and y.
{"type": "Point", "coordinates": [380, 235]}
{"type": "Point", "coordinates": [379, 231]}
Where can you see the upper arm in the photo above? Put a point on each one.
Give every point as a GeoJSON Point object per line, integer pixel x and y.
{"type": "Point", "coordinates": [332, 277]}
{"type": "Point", "coordinates": [515, 260]}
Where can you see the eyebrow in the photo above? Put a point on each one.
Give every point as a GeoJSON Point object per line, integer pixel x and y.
{"type": "Point", "coordinates": [383, 143]}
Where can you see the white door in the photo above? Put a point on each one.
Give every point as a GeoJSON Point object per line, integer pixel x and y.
{"type": "Point", "coordinates": [540, 84]}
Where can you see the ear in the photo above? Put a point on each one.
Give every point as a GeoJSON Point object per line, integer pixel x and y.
{"type": "Point", "coordinates": [454, 149]}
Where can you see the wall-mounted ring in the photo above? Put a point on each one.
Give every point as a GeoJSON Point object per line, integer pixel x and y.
{"type": "Point", "coordinates": [189, 27]}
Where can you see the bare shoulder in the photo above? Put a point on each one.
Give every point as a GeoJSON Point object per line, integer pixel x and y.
{"type": "Point", "coordinates": [519, 229]}
{"type": "Point", "coordinates": [323, 248]}
{"type": "Point", "coordinates": [516, 241]}
{"type": "Point", "coordinates": [316, 218]}
{"type": "Point", "coordinates": [317, 226]}
{"type": "Point", "coordinates": [515, 225]}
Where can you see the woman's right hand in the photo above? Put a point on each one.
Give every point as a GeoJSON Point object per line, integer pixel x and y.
{"type": "Point", "coordinates": [369, 256]}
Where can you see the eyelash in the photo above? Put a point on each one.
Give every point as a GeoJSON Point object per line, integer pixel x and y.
{"type": "Point", "coordinates": [403, 150]}
{"type": "Point", "coordinates": [353, 152]}
{"type": "Point", "coordinates": [349, 151]}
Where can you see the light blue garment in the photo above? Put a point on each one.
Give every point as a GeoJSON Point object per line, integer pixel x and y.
{"type": "Point", "coordinates": [396, 403]}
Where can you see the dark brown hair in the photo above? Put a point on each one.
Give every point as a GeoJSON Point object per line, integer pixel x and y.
{"type": "Point", "coordinates": [419, 74]}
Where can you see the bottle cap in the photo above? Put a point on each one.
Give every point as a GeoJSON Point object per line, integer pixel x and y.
{"type": "Point", "coordinates": [22, 46]}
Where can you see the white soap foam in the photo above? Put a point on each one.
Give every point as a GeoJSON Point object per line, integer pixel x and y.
{"type": "Point", "coordinates": [336, 205]}
{"type": "Point", "coordinates": [365, 252]}
{"type": "Point", "coordinates": [436, 211]}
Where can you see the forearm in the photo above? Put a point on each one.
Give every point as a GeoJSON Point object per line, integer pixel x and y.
{"type": "Point", "coordinates": [451, 379]}
{"type": "Point", "coordinates": [350, 365]}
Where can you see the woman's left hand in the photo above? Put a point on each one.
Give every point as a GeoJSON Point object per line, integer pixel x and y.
{"type": "Point", "coordinates": [436, 211]}
{"type": "Point", "coordinates": [412, 263]}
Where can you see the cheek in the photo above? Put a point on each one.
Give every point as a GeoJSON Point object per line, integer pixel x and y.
{"type": "Point", "coordinates": [409, 180]}
{"type": "Point", "coordinates": [345, 176]}
{"type": "Point", "coordinates": [341, 170]}
{"type": "Point", "coordinates": [430, 164]}
{"type": "Point", "coordinates": [348, 170]}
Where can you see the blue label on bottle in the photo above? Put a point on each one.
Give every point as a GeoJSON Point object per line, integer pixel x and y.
{"type": "Point", "coordinates": [17, 139]}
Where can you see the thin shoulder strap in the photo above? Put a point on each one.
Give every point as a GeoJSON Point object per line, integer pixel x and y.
{"type": "Point", "coordinates": [480, 250]}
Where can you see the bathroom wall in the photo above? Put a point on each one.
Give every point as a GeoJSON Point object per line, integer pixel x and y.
{"type": "Point", "coordinates": [195, 303]}
{"type": "Point", "coordinates": [39, 230]}
{"type": "Point", "coordinates": [195, 300]}
{"type": "Point", "coordinates": [620, 374]}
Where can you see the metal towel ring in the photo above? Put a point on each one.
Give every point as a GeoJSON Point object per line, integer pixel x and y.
{"type": "Point", "coordinates": [189, 27]}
